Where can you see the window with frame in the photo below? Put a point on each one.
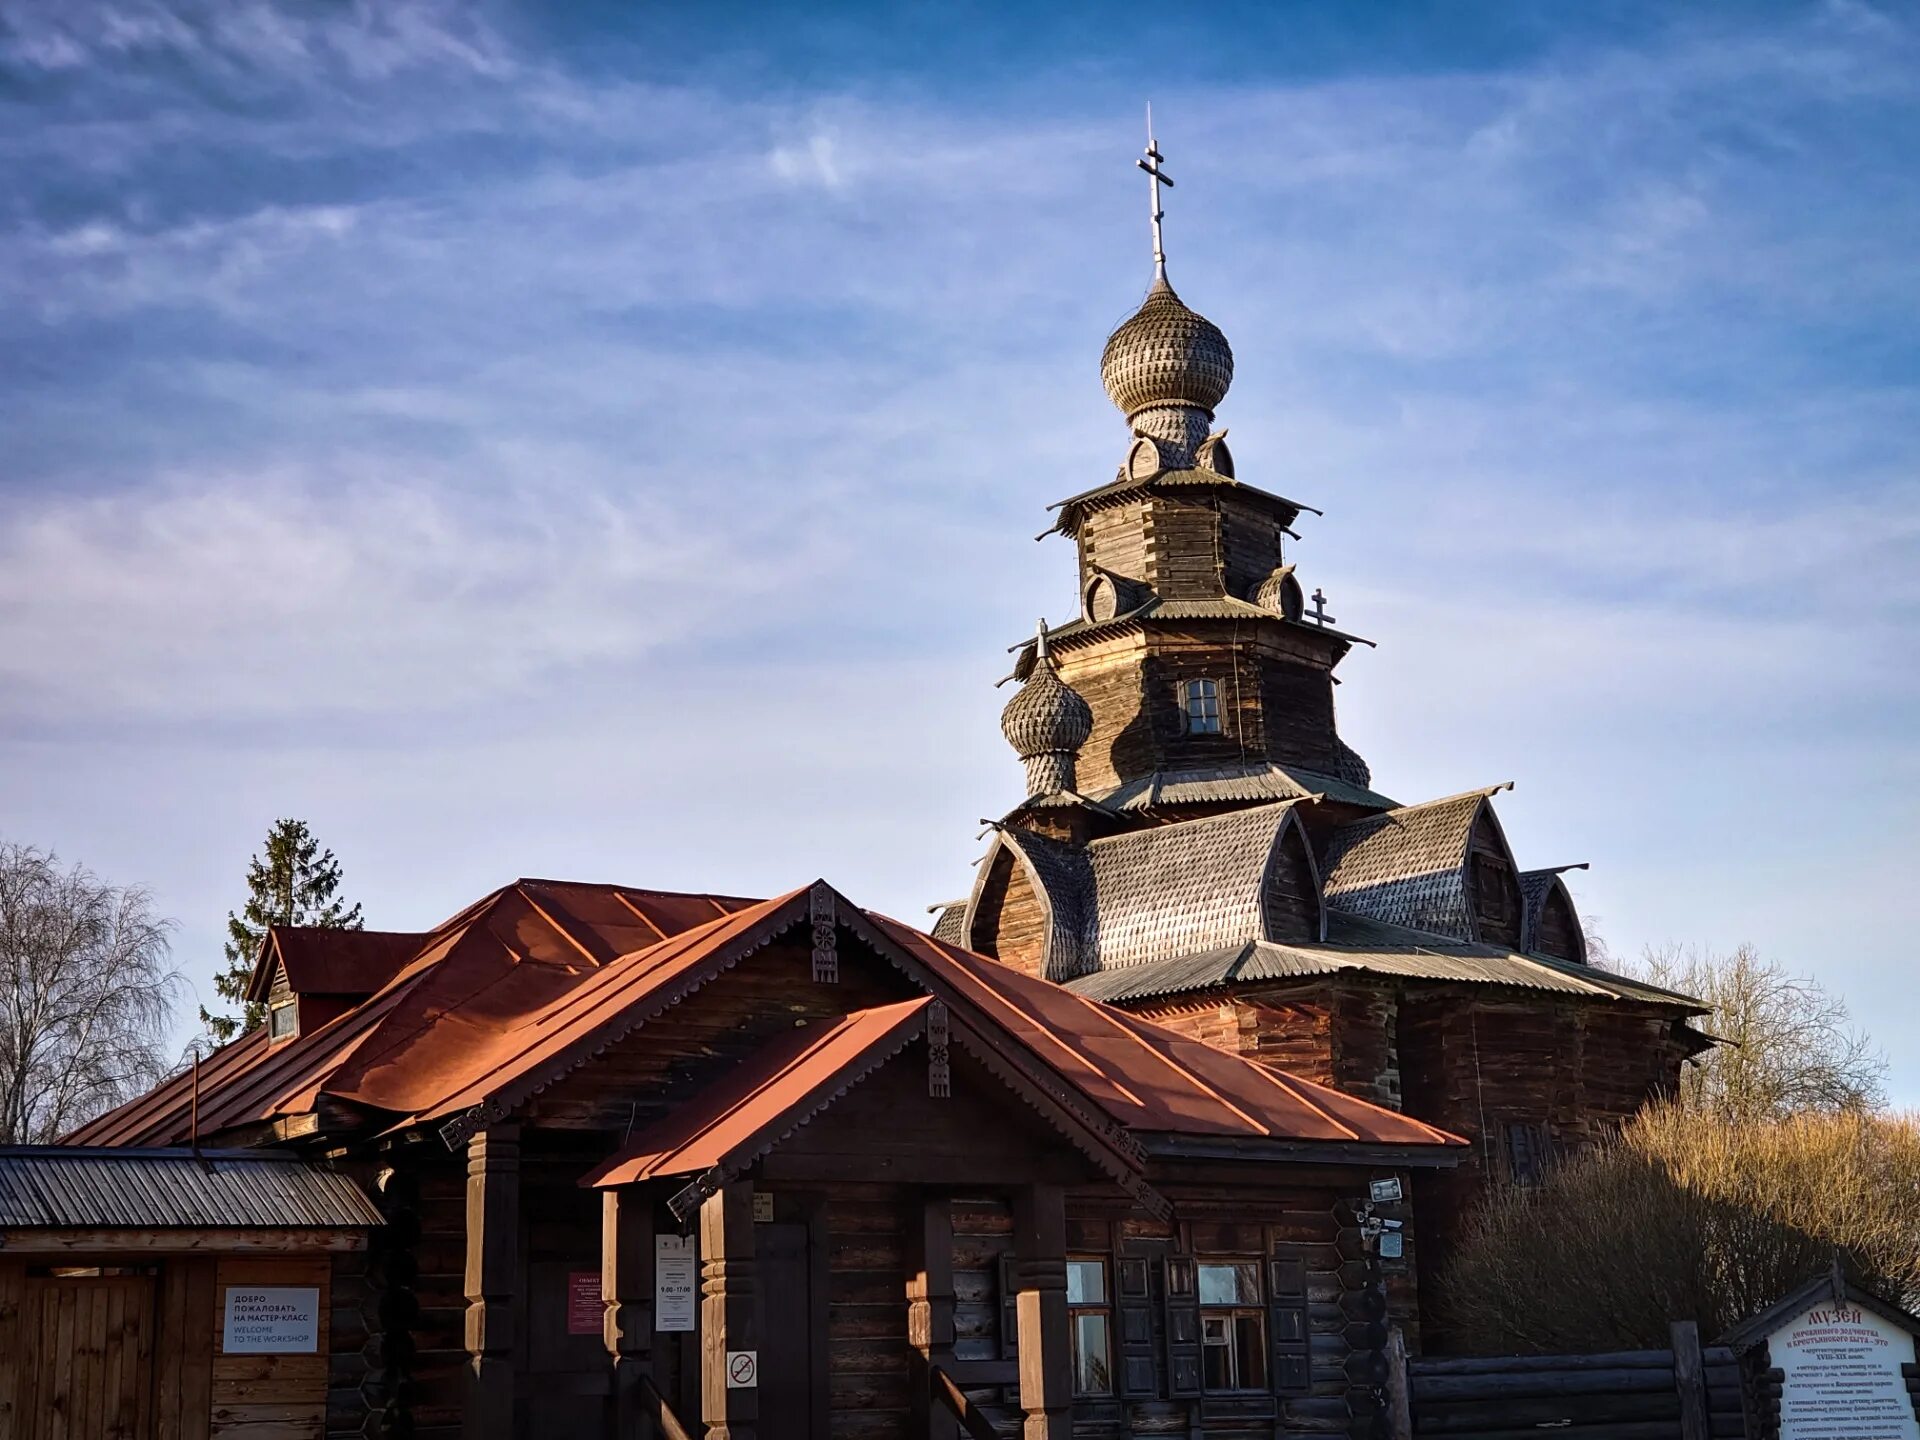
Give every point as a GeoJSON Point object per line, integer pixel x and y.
{"type": "Point", "coordinates": [1090, 1322]}
{"type": "Point", "coordinates": [1529, 1153]}
{"type": "Point", "coordinates": [1233, 1326]}
{"type": "Point", "coordinates": [283, 1020]}
{"type": "Point", "coordinates": [1200, 702]}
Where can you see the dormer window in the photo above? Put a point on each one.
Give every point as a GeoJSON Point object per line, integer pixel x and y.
{"type": "Point", "coordinates": [1200, 701]}
{"type": "Point", "coordinates": [283, 1020]}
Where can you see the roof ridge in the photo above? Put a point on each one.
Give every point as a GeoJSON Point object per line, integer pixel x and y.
{"type": "Point", "coordinates": [1221, 819]}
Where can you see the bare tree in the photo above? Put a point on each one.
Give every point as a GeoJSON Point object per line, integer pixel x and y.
{"type": "Point", "coordinates": [86, 994]}
{"type": "Point", "coordinates": [1679, 1218]}
{"type": "Point", "coordinates": [1791, 1045]}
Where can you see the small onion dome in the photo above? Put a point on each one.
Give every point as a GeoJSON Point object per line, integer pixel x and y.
{"type": "Point", "coordinates": [1046, 715]}
{"type": "Point", "coordinates": [1166, 354]}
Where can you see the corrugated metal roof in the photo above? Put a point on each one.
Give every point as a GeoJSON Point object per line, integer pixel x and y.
{"type": "Point", "coordinates": [1389, 951]}
{"type": "Point", "coordinates": [63, 1187]}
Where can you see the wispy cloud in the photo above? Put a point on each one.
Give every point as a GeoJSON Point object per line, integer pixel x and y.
{"type": "Point", "coordinates": [388, 369]}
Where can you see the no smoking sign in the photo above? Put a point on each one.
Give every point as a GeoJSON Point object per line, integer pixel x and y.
{"type": "Point", "coordinates": [743, 1369]}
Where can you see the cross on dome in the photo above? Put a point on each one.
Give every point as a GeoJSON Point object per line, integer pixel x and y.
{"type": "Point", "coordinates": [1151, 164]}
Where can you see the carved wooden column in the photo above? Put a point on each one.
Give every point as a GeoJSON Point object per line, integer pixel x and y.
{"type": "Point", "coordinates": [729, 1311]}
{"type": "Point", "coordinates": [930, 1311]}
{"type": "Point", "coordinates": [493, 1270]}
{"type": "Point", "coordinates": [1046, 1360]}
{"type": "Point", "coordinates": [626, 1290]}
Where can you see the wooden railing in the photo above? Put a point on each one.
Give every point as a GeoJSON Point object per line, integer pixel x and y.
{"type": "Point", "coordinates": [664, 1420]}
{"type": "Point", "coordinates": [970, 1416]}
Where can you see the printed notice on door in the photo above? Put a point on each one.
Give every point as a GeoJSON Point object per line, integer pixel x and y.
{"type": "Point", "coordinates": [271, 1320]}
{"type": "Point", "coordinates": [1842, 1376]}
{"type": "Point", "coordinates": [675, 1288]}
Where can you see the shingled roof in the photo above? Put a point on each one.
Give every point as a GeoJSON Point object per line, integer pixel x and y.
{"type": "Point", "coordinates": [1168, 889]}
{"type": "Point", "coordinates": [1535, 888]}
{"type": "Point", "coordinates": [1408, 866]}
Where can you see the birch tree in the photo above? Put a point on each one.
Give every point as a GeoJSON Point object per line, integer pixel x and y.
{"type": "Point", "coordinates": [86, 994]}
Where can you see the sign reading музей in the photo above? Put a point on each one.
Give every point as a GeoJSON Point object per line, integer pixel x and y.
{"type": "Point", "coordinates": [1844, 1359]}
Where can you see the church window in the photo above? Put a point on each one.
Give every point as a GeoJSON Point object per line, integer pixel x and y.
{"type": "Point", "coordinates": [1200, 700]}
{"type": "Point", "coordinates": [1529, 1152]}
{"type": "Point", "coordinates": [1088, 1315]}
{"type": "Point", "coordinates": [1233, 1326]}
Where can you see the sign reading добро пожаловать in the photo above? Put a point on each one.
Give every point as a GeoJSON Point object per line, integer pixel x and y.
{"type": "Point", "coordinates": [271, 1320]}
{"type": "Point", "coordinates": [1842, 1378]}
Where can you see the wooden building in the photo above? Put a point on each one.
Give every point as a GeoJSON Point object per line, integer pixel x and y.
{"type": "Point", "coordinates": [186, 1294]}
{"type": "Point", "coordinates": [651, 1162]}
{"type": "Point", "coordinates": [1198, 844]}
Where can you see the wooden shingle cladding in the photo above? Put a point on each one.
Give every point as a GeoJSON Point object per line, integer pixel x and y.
{"type": "Point", "coordinates": [1062, 911]}
{"type": "Point", "coordinates": [1550, 925]}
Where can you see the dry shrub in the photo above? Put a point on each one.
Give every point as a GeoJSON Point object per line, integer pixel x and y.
{"type": "Point", "coordinates": [1685, 1217]}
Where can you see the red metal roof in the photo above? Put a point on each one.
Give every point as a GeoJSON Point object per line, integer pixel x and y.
{"type": "Point", "coordinates": [322, 961]}
{"type": "Point", "coordinates": [532, 981]}
{"type": "Point", "coordinates": [787, 1082]}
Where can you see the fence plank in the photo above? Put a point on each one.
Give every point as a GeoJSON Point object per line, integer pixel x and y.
{"type": "Point", "coordinates": [1689, 1378]}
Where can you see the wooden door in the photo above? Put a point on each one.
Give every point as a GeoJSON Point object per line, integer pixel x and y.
{"type": "Point", "coordinates": [788, 1332]}
{"type": "Point", "coordinates": [88, 1370]}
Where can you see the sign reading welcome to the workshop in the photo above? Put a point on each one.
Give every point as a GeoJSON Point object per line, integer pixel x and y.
{"type": "Point", "coordinates": [271, 1320]}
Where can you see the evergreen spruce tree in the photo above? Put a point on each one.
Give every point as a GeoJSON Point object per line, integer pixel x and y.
{"type": "Point", "coordinates": [296, 883]}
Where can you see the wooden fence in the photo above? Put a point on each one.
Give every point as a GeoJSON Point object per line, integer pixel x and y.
{"type": "Point", "coordinates": [1682, 1393]}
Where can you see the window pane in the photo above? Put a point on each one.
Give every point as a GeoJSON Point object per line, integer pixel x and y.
{"type": "Point", "coordinates": [1091, 1375]}
{"type": "Point", "coordinates": [1250, 1351]}
{"type": "Point", "coordinates": [1230, 1283]}
{"type": "Point", "coordinates": [1086, 1282]}
{"type": "Point", "coordinates": [283, 1018]}
{"type": "Point", "coordinates": [1216, 1367]}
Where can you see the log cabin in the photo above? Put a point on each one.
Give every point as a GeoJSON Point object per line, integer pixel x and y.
{"type": "Point", "coordinates": [1198, 845]}
{"type": "Point", "coordinates": [668, 1164]}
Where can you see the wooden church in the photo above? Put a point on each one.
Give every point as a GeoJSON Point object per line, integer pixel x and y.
{"type": "Point", "coordinates": [1197, 844]}
{"type": "Point", "coordinates": [1144, 1138]}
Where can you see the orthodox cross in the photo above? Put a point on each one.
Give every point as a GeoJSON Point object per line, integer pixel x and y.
{"type": "Point", "coordinates": [1320, 616]}
{"type": "Point", "coordinates": [1157, 176]}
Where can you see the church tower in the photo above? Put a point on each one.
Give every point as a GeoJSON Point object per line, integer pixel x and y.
{"type": "Point", "coordinates": [1209, 683]}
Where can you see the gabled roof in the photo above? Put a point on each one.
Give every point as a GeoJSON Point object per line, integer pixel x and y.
{"type": "Point", "coordinates": [322, 960]}
{"type": "Point", "coordinates": [1408, 866]}
{"type": "Point", "coordinates": [1356, 945]}
{"type": "Point", "coordinates": [1228, 784]}
{"type": "Point", "coordinates": [1834, 1286]}
{"type": "Point", "coordinates": [721, 1131]}
{"type": "Point", "coordinates": [488, 965]}
{"type": "Point", "coordinates": [474, 1027]}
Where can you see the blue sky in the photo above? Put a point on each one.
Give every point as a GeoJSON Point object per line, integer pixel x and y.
{"type": "Point", "coordinates": [606, 442]}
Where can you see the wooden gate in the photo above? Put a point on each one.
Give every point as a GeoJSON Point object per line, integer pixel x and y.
{"type": "Point", "coordinates": [88, 1369]}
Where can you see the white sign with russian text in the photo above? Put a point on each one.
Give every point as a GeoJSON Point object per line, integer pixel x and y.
{"type": "Point", "coordinates": [1842, 1378]}
{"type": "Point", "coordinates": [676, 1285]}
{"type": "Point", "coordinates": [271, 1320]}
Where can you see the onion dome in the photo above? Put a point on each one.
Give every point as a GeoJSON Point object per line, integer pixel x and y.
{"type": "Point", "coordinates": [1166, 354]}
{"type": "Point", "coordinates": [1046, 722]}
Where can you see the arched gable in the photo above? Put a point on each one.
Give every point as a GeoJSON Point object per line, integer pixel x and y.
{"type": "Point", "coordinates": [1023, 909]}
{"type": "Point", "coordinates": [1492, 882]}
{"type": "Point", "coordinates": [1291, 908]}
{"type": "Point", "coordinates": [1550, 922]}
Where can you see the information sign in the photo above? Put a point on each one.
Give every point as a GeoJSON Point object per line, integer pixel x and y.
{"type": "Point", "coordinates": [271, 1320]}
{"type": "Point", "coordinates": [1842, 1378]}
{"type": "Point", "coordinates": [676, 1287]}
{"type": "Point", "coordinates": [585, 1313]}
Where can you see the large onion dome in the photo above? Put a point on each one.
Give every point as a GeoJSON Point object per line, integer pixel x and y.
{"type": "Point", "coordinates": [1166, 354]}
{"type": "Point", "coordinates": [1046, 722]}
